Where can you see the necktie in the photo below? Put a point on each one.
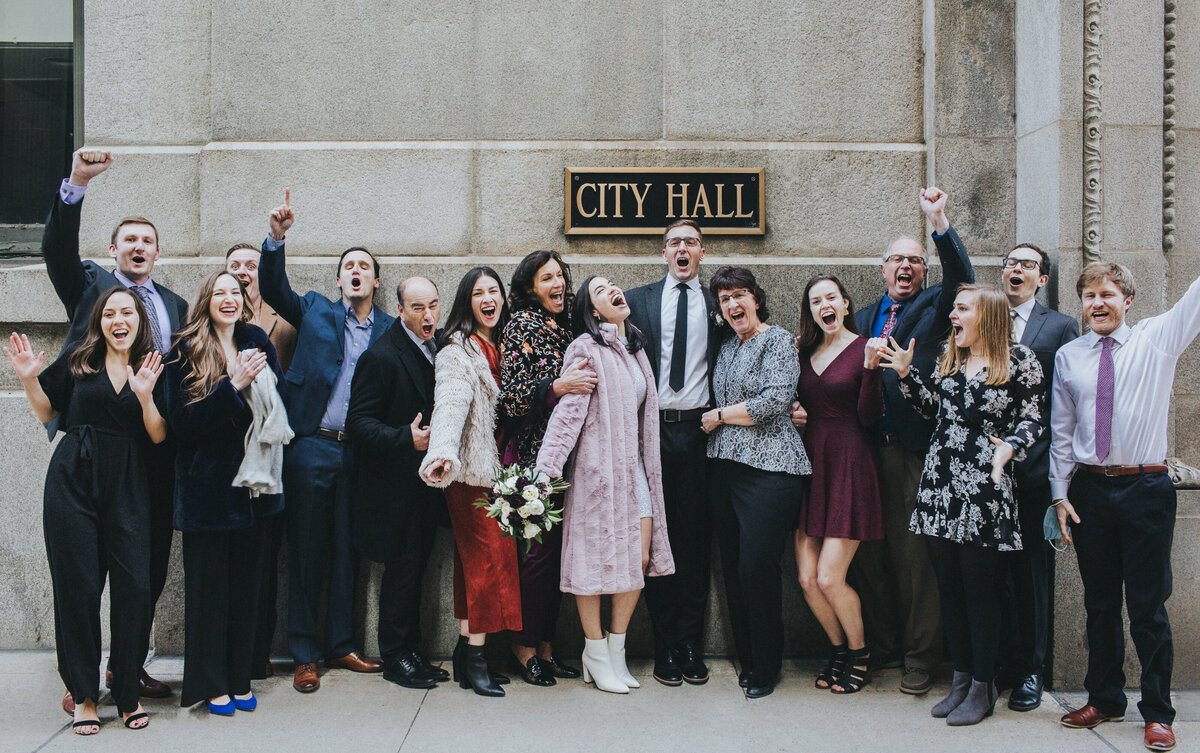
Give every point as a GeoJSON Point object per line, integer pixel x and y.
{"type": "Point", "coordinates": [430, 350]}
{"type": "Point", "coordinates": [679, 346]}
{"type": "Point", "coordinates": [1104, 399]}
{"type": "Point", "coordinates": [151, 314]}
{"type": "Point", "coordinates": [1012, 328]}
{"type": "Point", "coordinates": [889, 324]}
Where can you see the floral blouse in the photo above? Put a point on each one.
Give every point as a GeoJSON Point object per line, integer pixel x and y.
{"type": "Point", "coordinates": [533, 346]}
{"type": "Point", "coordinates": [957, 499]}
{"type": "Point", "coordinates": [761, 372]}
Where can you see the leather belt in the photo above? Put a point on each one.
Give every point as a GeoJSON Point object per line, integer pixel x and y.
{"type": "Point", "coordinates": [672, 416]}
{"type": "Point", "coordinates": [1126, 470]}
{"type": "Point", "coordinates": [337, 436]}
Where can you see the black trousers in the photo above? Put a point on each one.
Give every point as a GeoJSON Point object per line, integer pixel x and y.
{"type": "Point", "coordinates": [754, 514]}
{"type": "Point", "coordinates": [269, 597]}
{"type": "Point", "coordinates": [320, 545]}
{"type": "Point", "coordinates": [1124, 539]}
{"type": "Point", "coordinates": [96, 522]}
{"type": "Point", "coordinates": [400, 586]}
{"type": "Point", "coordinates": [676, 602]}
{"type": "Point", "coordinates": [970, 599]}
{"type": "Point", "coordinates": [1025, 589]}
{"type": "Point", "coordinates": [222, 579]}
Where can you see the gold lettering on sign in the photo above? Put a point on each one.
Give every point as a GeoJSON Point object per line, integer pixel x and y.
{"type": "Point", "coordinates": [601, 190]}
{"type": "Point", "coordinates": [681, 195]}
{"type": "Point", "coordinates": [579, 200]}
{"type": "Point", "coordinates": [701, 198]}
{"type": "Point", "coordinates": [641, 197]}
{"type": "Point", "coordinates": [721, 214]}
{"type": "Point", "coordinates": [617, 197]}
{"type": "Point", "coordinates": [739, 201]}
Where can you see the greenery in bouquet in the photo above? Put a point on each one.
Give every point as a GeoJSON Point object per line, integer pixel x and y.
{"type": "Point", "coordinates": [519, 501]}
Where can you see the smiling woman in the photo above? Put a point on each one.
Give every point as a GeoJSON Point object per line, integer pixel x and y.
{"type": "Point", "coordinates": [110, 415]}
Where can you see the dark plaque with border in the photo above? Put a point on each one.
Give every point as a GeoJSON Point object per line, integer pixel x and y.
{"type": "Point", "coordinates": [644, 200]}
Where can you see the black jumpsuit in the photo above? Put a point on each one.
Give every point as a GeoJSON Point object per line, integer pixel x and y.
{"type": "Point", "coordinates": [96, 520]}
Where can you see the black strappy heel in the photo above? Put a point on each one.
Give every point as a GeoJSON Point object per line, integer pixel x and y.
{"type": "Point", "coordinates": [834, 669]}
{"type": "Point", "coordinates": [856, 675]}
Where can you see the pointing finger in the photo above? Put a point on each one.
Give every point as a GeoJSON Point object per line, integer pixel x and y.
{"type": "Point", "coordinates": [287, 197]}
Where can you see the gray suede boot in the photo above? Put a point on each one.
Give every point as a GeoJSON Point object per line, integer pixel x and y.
{"type": "Point", "coordinates": [958, 692]}
{"type": "Point", "coordinates": [977, 706]}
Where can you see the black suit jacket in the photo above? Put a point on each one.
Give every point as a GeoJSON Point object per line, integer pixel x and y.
{"type": "Point", "coordinates": [392, 383]}
{"type": "Point", "coordinates": [1046, 332]}
{"type": "Point", "coordinates": [79, 283]}
{"type": "Point", "coordinates": [927, 319]}
{"type": "Point", "coordinates": [645, 311]}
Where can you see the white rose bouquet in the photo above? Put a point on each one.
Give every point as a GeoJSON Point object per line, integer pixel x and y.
{"type": "Point", "coordinates": [519, 500]}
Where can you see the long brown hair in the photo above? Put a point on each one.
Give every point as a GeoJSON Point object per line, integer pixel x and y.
{"type": "Point", "coordinates": [811, 335]}
{"type": "Point", "coordinates": [995, 334]}
{"type": "Point", "coordinates": [197, 343]}
{"type": "Point", "coordinates": [88, 357]}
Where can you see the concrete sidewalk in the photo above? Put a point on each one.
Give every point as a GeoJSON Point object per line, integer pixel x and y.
{"type": "Point", "coordinates": [365, 714]}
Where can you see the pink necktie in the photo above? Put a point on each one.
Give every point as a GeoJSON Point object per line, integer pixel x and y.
{"type": "Point", "coordinates": [1104, 399]}
{"type": "Point", "coordinates": [889, 324]}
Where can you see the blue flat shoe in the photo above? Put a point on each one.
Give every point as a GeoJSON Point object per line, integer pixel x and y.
{"type": "Point", "coordinates": [221, 709]}
{"type": "Point", "coordinates": [245, 704]}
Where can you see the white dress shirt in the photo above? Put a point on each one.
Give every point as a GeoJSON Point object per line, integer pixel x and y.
{"type": "Point", "coordinates": [1144, 358]}
{"type": "Point", "coordinates": [695, 379]}
{"type": "Point", "coordinates": [1021, 320]}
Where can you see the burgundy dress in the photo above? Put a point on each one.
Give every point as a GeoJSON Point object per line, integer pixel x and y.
{"type": "Point", "coordinates": [842, 402]}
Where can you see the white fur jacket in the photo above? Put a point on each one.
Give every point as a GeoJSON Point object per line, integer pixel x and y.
{"type": "Point", "coordinates": [463, 427]}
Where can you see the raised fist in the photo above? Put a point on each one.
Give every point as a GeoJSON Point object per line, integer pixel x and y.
{"type": "Point", "coordinates": [933, 204]}
{"type": "Point", "coordinates": [87, 164]}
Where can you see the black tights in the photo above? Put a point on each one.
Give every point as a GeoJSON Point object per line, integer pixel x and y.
{"type": "Point", "coordinates": [966, 575]}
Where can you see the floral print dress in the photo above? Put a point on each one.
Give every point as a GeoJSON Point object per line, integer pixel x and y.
{"type": "Point", "coordinates": [957, 499]}
{"type": "Point", "coordinates": [533, 346]}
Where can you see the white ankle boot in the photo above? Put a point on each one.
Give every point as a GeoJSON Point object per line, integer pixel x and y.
{"type": "Point", "coordinates": [597, 667]}
{"type": "Point", "coordinates": [616, 655]}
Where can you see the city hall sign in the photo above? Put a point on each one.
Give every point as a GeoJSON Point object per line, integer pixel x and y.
{"type": "Point", "coordinates": [644, 200]}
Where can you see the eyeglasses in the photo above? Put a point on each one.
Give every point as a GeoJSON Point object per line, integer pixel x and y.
{"type": "Point", "coordinates": [688, 241]}
{"type": "Point", "coordinates": [737, 295]}
{"type": "Point", "coordinates": [1026, 264]}
{"type": "Point", "coordinates": [897, 259]}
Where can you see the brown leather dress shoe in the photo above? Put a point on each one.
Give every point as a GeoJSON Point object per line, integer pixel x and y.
{"type": "Point", "coordinates": [68, 704]}
{"type": "Point", "coordinates": [1087, 717]}
{"type": "Point", "coordinates": [305, 679]}
{"type": "Point", "coordinates": [148, 687]}
{"type": "Point", "coordinates": [355, 662]}
{"type": "Point", "coordinates": [1159, 736]}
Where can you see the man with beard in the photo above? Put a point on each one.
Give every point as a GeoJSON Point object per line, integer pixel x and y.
{"type": "Point", "coordinates": [1042, 330]}
{"type": "Point", "coordinates": [333, 335]}
{"type": "Point", "coordinates": [134, 246]}
{"type": "Point", "coordinates": [1108, 476]}
{"type": "Point", "coordinates": [675, 314]}
{"type": "Point", "coordinates": [909, 311]}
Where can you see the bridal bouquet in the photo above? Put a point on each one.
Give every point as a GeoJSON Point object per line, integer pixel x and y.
{"type": "Point", "coordinates": [519, 500]}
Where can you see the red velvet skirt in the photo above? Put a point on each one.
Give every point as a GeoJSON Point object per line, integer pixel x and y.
{"type": "Point", "coordinates": [487, 587]}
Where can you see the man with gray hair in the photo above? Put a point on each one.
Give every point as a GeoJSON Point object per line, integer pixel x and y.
{"type": "Point", "coordinates": [909, 311]}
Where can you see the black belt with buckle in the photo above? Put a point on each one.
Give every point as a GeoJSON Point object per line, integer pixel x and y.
{"type": "Point", "coordinates": [889, 437]}
{"type": "Point", "coordinates": [672, 416]}
{"type": "Point", "coordinates": [337, 436]}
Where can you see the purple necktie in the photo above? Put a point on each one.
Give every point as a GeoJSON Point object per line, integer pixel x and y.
{"type": "Point", "coordinates": [1104, 399]}
{"type": "Point", "coordinates": [889, 324]}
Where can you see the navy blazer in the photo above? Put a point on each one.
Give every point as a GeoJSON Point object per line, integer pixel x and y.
{"type": "Point", "coordinates": [1046, 332]}
{"type": "Point", "coordinates": [211, 439]}
{"type": "Point", "coordinates": [927, 319]}
{"type": "Point", "coordinates": [645, 311]}
{"type": "Point", "coordinates": [321, 323]}
{"type": "Point", "coordinates": [79, 283]}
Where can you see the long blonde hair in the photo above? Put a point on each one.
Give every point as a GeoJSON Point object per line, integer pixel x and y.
{"type": "Point", "coordinates": [995, 334]}
{"type": "Point", "coordinates": [197, 343]}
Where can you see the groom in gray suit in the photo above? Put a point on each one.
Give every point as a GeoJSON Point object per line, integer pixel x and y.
{"type": "Point", "coordinates": [1025, 270]}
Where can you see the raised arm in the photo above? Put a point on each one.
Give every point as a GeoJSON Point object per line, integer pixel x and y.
{"type": "Point", "coordinates": [60, 240]}
{"type": "Point", "coordinates": [1175, 329]}
{"type": "Point", "coordinates": [273, 282]}
{"type": "Point", "coordinates": [956, 265]}
{"type": "Point", "coordinates": [28, 366]}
